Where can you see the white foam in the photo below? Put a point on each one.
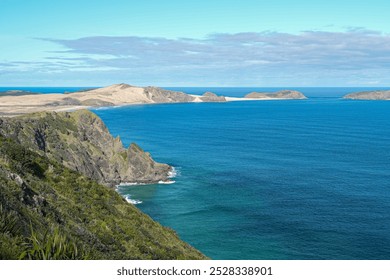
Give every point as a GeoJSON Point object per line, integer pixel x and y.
{"type": "Point", "coordinates": [130, 184]}
{"type": "Point", "coordinates": [132, 201]}
{"type": "Point", "coordinates": [173, 173]}
{"type": "Point", "coordinates": [108, 107]}
{"type": "Point", "coordinates": [167, 182]}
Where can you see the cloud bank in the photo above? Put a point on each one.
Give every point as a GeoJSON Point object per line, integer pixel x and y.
{"type": "Point", "coordinates": [355, 57]}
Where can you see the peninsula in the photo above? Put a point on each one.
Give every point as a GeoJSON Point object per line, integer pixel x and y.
{"type": "Point", "coordinates": [369, 95]}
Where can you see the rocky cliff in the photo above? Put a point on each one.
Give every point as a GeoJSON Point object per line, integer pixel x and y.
{"type": "Point", "coordinates": [81, 142]}
{"type": "Point", "coordinates": [283, 94]}
{"type": "Point", "coordinates": [369, 95]}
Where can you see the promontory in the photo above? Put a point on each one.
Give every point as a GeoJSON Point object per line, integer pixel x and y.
{"type": "Point", "coordinates": [56, 169]}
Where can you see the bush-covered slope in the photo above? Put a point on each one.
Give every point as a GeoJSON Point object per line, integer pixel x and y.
{"type": "Point", "coordinates": [48, 211]}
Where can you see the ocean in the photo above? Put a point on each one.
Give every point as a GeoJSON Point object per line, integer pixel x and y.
{"type": "Point", "coordinates": [287, 179]}
{"type": "Point", "coordinates": [297, 179]}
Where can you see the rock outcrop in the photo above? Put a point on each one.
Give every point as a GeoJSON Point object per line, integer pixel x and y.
{"type": "Point", "coordinates": [159, 95]}
{"type": "Point", "coordinates": [81, 141]}
{"type": "Point", "coordinates": [369, 95]}
{"type": "Point", "coordinates": [283, 94]}
{"type": "Point", "coordinates": [212, 97]}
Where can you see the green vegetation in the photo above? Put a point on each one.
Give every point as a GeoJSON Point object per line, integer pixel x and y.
{"type": "Point", "coordinates": [52, 245]}
{"type": "Point", "coordinates": [48, 211]}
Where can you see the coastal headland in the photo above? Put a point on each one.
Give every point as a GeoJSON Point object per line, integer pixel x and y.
{"type": "Point", "coordinates": [57, 172]}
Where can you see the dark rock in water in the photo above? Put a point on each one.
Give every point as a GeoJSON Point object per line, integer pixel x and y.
{"type": "Point", "coordinates": [369, 95]}
{"type": "Point", "coordinates": [80, 141]}
{"type": "Point", "coordinates": [212, 97]}
{"type": "Point", "coordinates": [283, 94]}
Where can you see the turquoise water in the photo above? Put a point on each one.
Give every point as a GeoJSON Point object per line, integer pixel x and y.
{"type": "Point", "coordinates": [305, 179]}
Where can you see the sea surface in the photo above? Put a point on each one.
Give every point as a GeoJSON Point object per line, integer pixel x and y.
{"type": "Point", "coordinates": [288, 179]}
{"type": "Point", "coordinates": [298, 179]}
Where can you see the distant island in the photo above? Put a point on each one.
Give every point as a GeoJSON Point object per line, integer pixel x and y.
{"type": "Point", "coordinates": [369, 95]}
{"type": "Point", "coordinates": [282, 94]}
{"type": "Point", "coordinates": [17, 102]}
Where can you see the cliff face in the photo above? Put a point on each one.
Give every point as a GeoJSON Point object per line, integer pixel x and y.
{"type": "Point", "coordinates": [369, 95]}
{"type": "Point", "coordinates": [283, 94]}
{"type": "Point", "coordinates": [81, 142]}
{"type": "Point", "coordinates": [48, 211]}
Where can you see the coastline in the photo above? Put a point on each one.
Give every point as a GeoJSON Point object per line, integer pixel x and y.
{"type": "Point", "coordinates": [117, 95]}
{"type": "Point", "coordinates": [12, 106]}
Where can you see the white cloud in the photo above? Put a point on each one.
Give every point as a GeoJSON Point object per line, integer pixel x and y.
{"type": "Point", "coordinates": [266, 58]}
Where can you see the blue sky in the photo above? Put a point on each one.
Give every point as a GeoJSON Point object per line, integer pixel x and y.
{"type": "Point", "coordinates": [194, 43]}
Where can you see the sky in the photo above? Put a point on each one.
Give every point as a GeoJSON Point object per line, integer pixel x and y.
{"type": "Point", "coordinates": [195, 43]}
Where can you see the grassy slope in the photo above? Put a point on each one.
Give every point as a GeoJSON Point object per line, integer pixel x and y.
{"type": "Point", "coordinates": [45, 206]}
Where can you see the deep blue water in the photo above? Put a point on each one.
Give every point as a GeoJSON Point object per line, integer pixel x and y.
{"type": "Point", "coordinates": [304, 179]}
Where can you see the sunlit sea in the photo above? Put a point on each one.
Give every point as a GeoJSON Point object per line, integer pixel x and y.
{"type": "Point", "coordinates": [291, 179]}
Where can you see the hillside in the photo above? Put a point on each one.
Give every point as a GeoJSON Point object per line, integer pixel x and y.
{"type": "Point", "coordinates": [49, 211]}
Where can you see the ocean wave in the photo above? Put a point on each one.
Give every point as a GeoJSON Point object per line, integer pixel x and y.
{"type": "Point", "coordinates": [167, 182]}
{"type": "Point", "coordinates": [108, 107]}
{"type": "Point", "coordinates": [132, 201]}
{"type": "Point", "coordinates": [175, 172]}
{"type": "Point", "coordinates": [127, 184]}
